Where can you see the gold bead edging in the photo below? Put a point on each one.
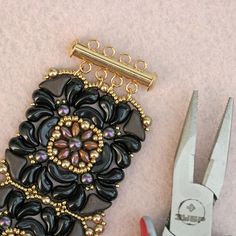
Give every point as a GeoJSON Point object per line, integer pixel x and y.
{"type": "Point", "coordinates": [104, 87]}
{"type": "Point", "coordinates": [60, 207]}
{"type": "Point", "coordinates": [14, 232]}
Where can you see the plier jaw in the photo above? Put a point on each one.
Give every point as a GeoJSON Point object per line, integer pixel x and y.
{"type": "Point", "coordinates": [192, 204]}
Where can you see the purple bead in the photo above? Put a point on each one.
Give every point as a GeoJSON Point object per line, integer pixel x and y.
{"type": "Point", "coordinates": [41, 156]}
{"type": "Point", "coordinates": [109, 133]}
{"type": "Point", "coordinates": [75, 143]}
{"type": "Point", "coordinates": [63, 110]}
{"type": "Point", "coordinates": [87, 178]}
{"type": "Point", "coordinates": [5, 222]}
{"type": "Point", "coordinates": [75, 158]}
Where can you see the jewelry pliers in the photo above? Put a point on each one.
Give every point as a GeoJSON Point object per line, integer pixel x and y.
{"type": "Point", "coordinates": [192, 204]}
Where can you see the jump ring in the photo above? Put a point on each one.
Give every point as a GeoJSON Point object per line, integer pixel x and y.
{"type": "Point", "coordinates": [108, 49]}
{"type": "Point", "coordinates": [117, 81]}
{"type": "Point", "coordinates": [93, 44]}
{"type": "Point", "coordinates": [101, 74]}
{"type": "Point", "coordinates": [140, 65]}
{"type": "Point", "coordinates": [125, 58]}
{"type": "Point", "coordinates": [83, 66]}
{"type": "Point", "coordinates": [132, 87]}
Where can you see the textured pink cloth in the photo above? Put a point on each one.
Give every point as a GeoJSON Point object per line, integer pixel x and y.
{"type": "Point", "coordinates": [190, 44]}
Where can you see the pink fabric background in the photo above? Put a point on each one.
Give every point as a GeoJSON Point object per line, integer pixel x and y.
{"type": "Point", "coordinates": [190, 44]}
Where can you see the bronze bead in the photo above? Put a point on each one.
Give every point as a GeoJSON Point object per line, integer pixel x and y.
{"type": "Point", "coordinates": [90, 145]}
{"type": "Point", "coordinates": [84, 156]}
{"type": "Point", "coordinates": [75, 129]}
{"type": "Point", "coordinates": [61, 144]}
{"type": "Point", "coordinates": [66, 132]}
{"type": "Point", "coordinates": [63, 154]}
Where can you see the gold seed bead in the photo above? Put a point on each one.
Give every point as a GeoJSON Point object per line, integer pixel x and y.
{"type": "Point", "coordinates": [81, 164]}
{"type": "Point", "coordinates": [99, 228]}
{"type": "Point", "coordinates": [71, 167]}
{"type": "Point", "coordinates": [54, 151]}
{"type": "Point", "coordinates": [97, 218]}
{"type": "Point", "coordinates": [104, 87]}
{"type": "Point", "coordinates": [53, 72]}
{"type": "Point", "coordinates": [89, 232]}
{"type": "Point", "coordinates": [3, 168]}
{"type": "Point", "coordinates": [147, 121]}
{"type": "Point", "coordinates": [92, 126]}
{"type": "Point", "coordinates": [85, 125]}
{"type": "Point", "coordinates": [101, 145]}
{"type": "Point", "coordinates": [65, 164]}
{"type": "Point", "coordinates": [46, 200]}
{"type": "Point", "coordinates": [68, 123]}
{"type": "Point", "coordinates": [56, 134]}
{"type": "Point", "coordinates": [94, 154]}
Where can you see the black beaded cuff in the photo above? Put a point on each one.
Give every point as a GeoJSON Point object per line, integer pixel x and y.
{"type": "Point", "coordinates": [63, 169]}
